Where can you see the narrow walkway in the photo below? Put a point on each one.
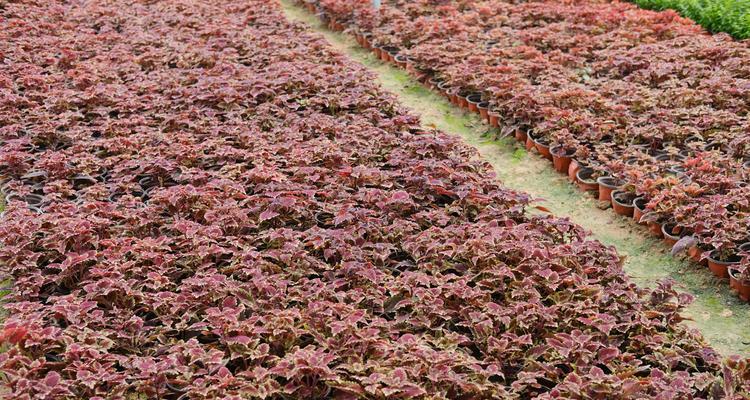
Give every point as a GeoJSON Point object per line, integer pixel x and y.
{"type": "Point", "coordinates": [716, 312]}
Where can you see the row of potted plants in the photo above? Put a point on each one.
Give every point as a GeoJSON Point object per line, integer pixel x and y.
{"type": "Point", "coordinates": [674, 145]}
{"type": "Point", "coordinates": [233, 210]}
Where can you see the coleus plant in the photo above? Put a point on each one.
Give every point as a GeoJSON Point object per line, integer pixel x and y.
{"type": "Point", "coordinates": [260, 220]}
{"type": "Point", "coordinates": [617, 77]}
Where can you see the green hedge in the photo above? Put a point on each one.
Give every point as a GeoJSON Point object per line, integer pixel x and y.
{"type": "Point", "coordinates": [731, 16]}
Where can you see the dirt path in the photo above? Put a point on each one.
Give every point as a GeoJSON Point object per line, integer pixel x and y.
{"type": "Point", "coordinates": [716, 312]}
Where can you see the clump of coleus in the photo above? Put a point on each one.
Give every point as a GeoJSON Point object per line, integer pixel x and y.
{"type": "Point", "coordinates": [612, 81]}
{"type": "Point", "coordinates": [226, 208]}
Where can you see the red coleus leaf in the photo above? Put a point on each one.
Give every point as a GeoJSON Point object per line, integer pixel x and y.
{"type": "Point", "coordinates": [222, 206]}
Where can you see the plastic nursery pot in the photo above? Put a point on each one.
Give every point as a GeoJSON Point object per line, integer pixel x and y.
{"type": "Point", "coordinates": [714, 146]}
{"type": "Point", "coordinates": [585, 180]}
{"type": "Point", "coordinates": [542, 146]}
{"type": "Point", "coordinates": [639, 208]}
{"type": "Point", "coordinates": [83, 180]}
{"type": "Point", "coordinates": [720, 268]}
{"type": "Point", "coordinates": [622, 202]}
{"type": "Point", "coordinates": [434, 83]}
{"type": "Point", "coordinates": [742, 287]}
{"type": "Point", "coordinates": [520, 135]}
{"type": "Point", "coordinates": [392, 55]}
{"type": "Point", "coordinates": [411, 68]}
{"type": "Point", "coordinates": [561, 158]}
{"type": "Point", "coordinates": [529, 142]}
{"type": "Point", "coordinates": [484, 110]}
{"type": "Point", "coordinates": [607, 185]}
{"type": "Point", "coordinates": [573, 169]}
{"type": "Point", "coordinates": [671, 233]}
{"type": "Point", "coordinates": [383, 54]}
{"type": "Point", "coordinates": [400, 61]}
{"type": "Point", "coordinates": [454, 98]}
{"type": "Point", "coordinates": [337, 26]}
{"type": "Point", "coordinates": [473, 101]}
{"type": "Point", "coordinates": [462, 101]}
{"type": "Point", "coordinates": [695, 253]}
{"type": "Point", "coordinates": [494, 118]}
{"type": "Point", "coordinates": [655, 229]}
{"type": "Point", "coordinates": [367, 41]}
{"type": "Point", "coordinates": [445, 88]}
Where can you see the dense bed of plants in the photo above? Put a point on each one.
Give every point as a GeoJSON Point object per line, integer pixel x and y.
{"type": "Point", "coordinates": [205, 201]}
{"type": "Point", "coordinates": [731, 16]}
{"type": "Point", "coordinates": [646, 100]}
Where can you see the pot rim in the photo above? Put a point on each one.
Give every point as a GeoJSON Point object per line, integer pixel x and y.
{"type": "Point", "coordinates": [601, 181]}
{"type": "Point", "coordinates": [716, 261]}
{"type": "Point", "coordinates": [585, 170]}
{"type": "Point", "coordinates": [670, 235]}
{"type": "Point", "coordinates": [619, 203]}
{"type": "Point", "coordinates": [471, 96]}
{"type": "Point", "coordinates": [732, 272]}
{"type": "Point", "coordinates": [568, 152]}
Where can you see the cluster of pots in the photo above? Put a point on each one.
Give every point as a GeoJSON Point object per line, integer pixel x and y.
{"type": "Point", "coordinates": [605, 188]}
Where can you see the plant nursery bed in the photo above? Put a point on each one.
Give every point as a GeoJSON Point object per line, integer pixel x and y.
{"type": "Point", "coordinates": [645, 100]}
{"type": "Point", "coordinates": [207, 201]}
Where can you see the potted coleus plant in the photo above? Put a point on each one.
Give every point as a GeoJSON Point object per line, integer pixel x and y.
{"type": "Point", "coordinates": [623, 200]}
{"type": "Point", "coordinates": [613, 181]}
{"type": "Point", "coordinates": [723, 232]}
{"type": "Point", "coordinates": [563, 150]}
{"type": "Point", "coordinates": [739, 275]}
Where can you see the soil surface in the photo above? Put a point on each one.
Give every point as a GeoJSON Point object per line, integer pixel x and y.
{"type": "Point", "coordinates": [716, 312]}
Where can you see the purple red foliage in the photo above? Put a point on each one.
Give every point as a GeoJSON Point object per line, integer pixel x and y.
{"type": "Point", "coordinates": [647, 97]}
{"type": "Point", "coordinates": [205, 201]}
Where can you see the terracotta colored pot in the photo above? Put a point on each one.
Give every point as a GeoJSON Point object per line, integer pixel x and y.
{"type": "Point", "coordinates": [387, 53]}
{"type": "Point", "coordinates": [455, 99]}
{"type": "Point", "coordinates": [695, 253]}
{"type": "Point", "coordinates": [367, 41]}
{"type": "Point", "coordinates": [741, 287]}
{"type": "Point", "coordinates": [445, 88]}
{"type": "Point", "coordinates": [484, 111]}
{"type": "Point", "coordinates": [670, 238]}
{"type": "Point", "coordinates": [529, 142]}
{"type": "Point", "coordinates": [585, 181]}
{"type": "Point", "coordinates": [521, 135]}
{"type": "Point", "coordinates": [607, 185]}
{"type": "Point", "coordinates": [719, 268]}
{"type": "Point", "coordinates": [462, 102]}
{"type": "Point", "coordinates": [400, 61]}
{"type": "Point", "coordinates": [655, 229]}
{"type": "Point", "coordinates": [473, 101]}
{"type": "Point", "coordinates": [573, 169]}
{"type": "Point", "coordinates": [561, 159]}
{"type": "Point", "coordinates": [543, 148]}
{"type": "Point", "coordinates": [494, 119]}
{"type": "Point", "coordinates": [639, 208]}
{"type": "Point", "coordinates": [378, 52]}
{"type": "Point", "coordinates": [622, 202]}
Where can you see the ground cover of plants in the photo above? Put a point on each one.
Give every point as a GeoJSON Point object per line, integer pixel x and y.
{"type": "Point", "coordinates": [643, 108]}
{"type": "Point", "coordinates": [205, 201]}
{"type": "Point", "coordinates": [730, 16]}
{"type": "Point", "coordinates": [719, 315]}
